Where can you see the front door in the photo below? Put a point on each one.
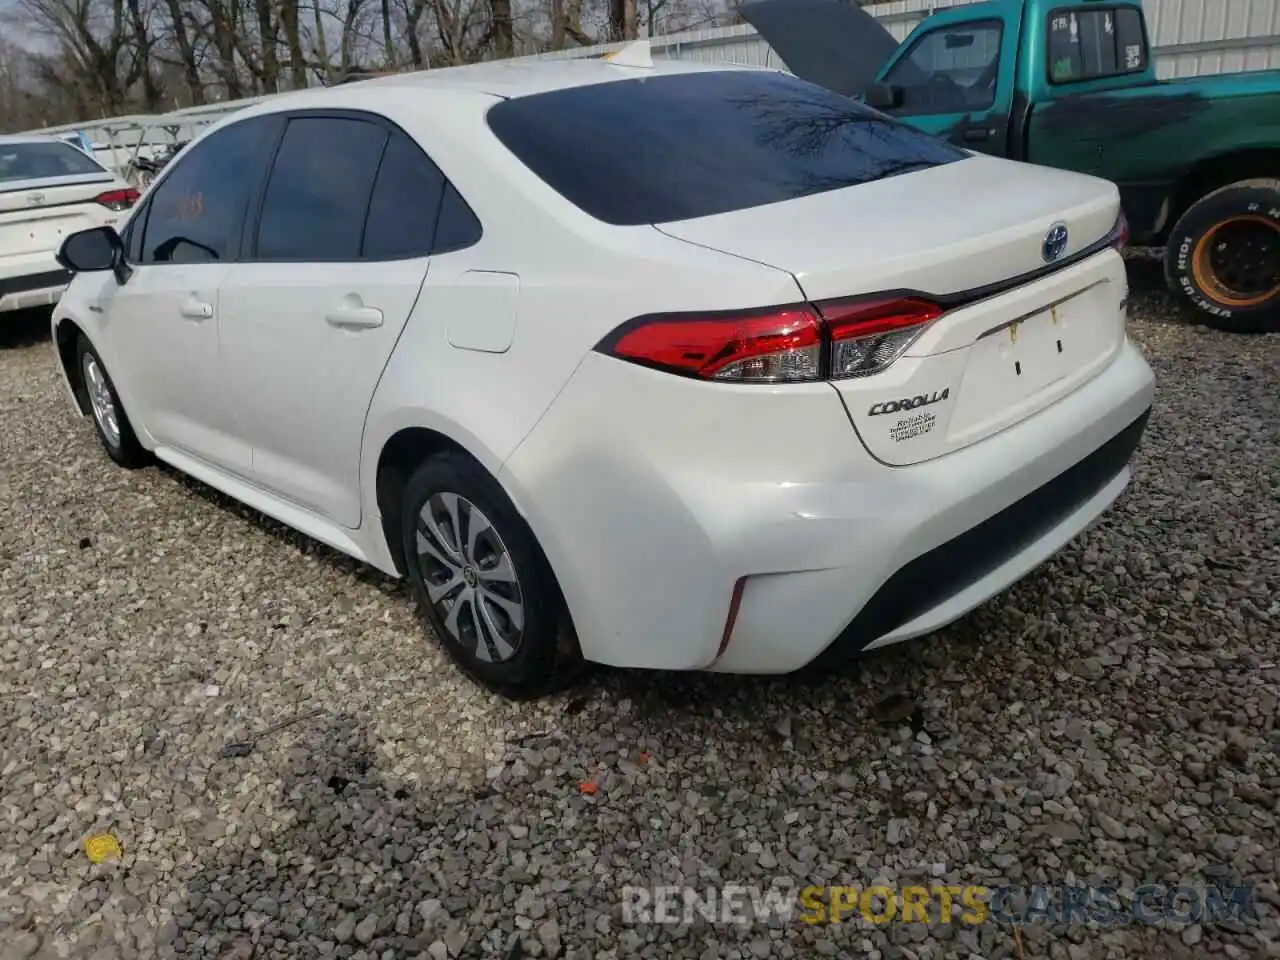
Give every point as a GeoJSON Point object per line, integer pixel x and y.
{"type": "Point", "coordinates": [957, 82]}
{"type": "Point", "coordinates": [166, 327]}
{"type": "Point", "coordinates": [166, 319]}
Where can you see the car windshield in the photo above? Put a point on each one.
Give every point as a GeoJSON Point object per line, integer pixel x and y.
{"type": "Point", "coordinates": [35, 161]}
{"type": "Point", "coordinates": [678, 146]}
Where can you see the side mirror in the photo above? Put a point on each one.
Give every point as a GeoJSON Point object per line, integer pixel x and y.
{"type": "Point", "coordinates": [88, 251]}
{"type": "Point", "coordinates": [883, 96]}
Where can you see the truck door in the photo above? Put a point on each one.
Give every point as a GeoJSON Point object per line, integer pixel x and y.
{"type": "Point", "coordinates": [955, 79]}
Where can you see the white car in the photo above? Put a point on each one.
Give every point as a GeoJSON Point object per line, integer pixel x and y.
{"type": "Point", "coordinates": [49, 190]}
{"type": "Point", "coordinates": [665, 366]}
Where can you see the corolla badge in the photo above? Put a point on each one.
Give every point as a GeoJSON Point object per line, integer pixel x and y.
{"type": "Point", "coordinates": [1055, 242]}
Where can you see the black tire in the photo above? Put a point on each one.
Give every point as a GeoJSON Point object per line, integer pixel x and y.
{"type": "Point", "coordinates": [544, 655]}
{"type": "Point", "coordinates": [124, 449]}
{"type": "Point", "coordinates": [1229, 294]}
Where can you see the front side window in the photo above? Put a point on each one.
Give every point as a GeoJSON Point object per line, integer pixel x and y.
{"type": "Point", "coordinates": [318, 193]}
{"type": "Point", "coordinates": [37, 161]}
{"type": "Point", "coordinates": [951, 69]}
{"type": "Point", "coordinates": [688, 145]}
{"type": "Point", "coordinates": [195, 214]}
{"type": "Point", "coordinates": [1093, 44]}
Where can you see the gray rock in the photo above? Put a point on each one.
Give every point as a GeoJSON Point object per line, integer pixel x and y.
{"type": "Point", "coordinates": [1110, 718]}
{"type": "Point", "coordinates": [1111, 826]}
{"type": "Point", "coordinates": [345, 929]}
{"type": "Point", "coordinates": [367, 928]}
{"type": "Point", "coordinates": [20, 946]}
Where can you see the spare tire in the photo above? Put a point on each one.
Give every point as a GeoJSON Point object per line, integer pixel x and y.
{"type": "Point", "coordinates": [1223, 257]}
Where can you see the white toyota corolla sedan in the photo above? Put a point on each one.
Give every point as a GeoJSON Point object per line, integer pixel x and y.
{"type": "Point", "coordinates": [655, 365]}
{"type": "Point", "coordinates": [49, 190]}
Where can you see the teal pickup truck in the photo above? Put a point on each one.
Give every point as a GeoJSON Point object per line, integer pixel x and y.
{"type": "Point", "coordinates": [1070, 84]}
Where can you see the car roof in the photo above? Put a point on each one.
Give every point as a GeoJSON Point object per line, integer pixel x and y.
{"type": "Point", "coordinates": [507, 79]}
{"type": "Point", "coordinates": [516, 78]}
{"type": "Point", "coordinates": [9, 139]}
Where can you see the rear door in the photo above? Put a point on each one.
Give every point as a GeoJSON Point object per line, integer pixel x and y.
{"type": "Point", "coordinates": [336, 261]}
{"type": "Point", "coordinates": [957, 82]}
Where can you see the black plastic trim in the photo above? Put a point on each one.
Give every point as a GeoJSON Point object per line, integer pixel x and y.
{"type": "Point", "coordinates": [107, 178]}
{"type": "Point", "coordinates": [934, 577]}
{"type": "Point", "coordinates": [35, 281]}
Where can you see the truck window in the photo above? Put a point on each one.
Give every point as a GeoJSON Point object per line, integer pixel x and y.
{"type": "Point", "coordinates": [1095, 43]}
{"type": "Point", "coordinates": [951, 69]}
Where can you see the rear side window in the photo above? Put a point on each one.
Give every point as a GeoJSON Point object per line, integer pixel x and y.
{"type": "Point", "coordinates": [196, 212]}
{"type": "Point", "coordinates": [405, 203]}
{"type": "Point", "coordinates": [681, 146]}
{"type": "Point", "coordinates": [458, 226]}
{"type": "Point", "coordinates": [1095, 43]}
{"type": "Point", "coordinates": [34, 161]}
{"type": "Point", "coordinates": [317, 196]}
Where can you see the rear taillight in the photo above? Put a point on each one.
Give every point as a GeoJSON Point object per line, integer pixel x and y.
{"type": "Point", "coordinates": [868, 335]}
{"type": "Point", "coordinates": [796, 343]}
{"type": "Point", "coordinates": [776, 345]}
{"type": "Point", "coordinates": [118, 199]}
{"type": "Point", "coordinates": [1119, 235]}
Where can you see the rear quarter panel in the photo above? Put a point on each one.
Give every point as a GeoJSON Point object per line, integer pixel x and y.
{"type": "Point", "coordinates": [578, 279]}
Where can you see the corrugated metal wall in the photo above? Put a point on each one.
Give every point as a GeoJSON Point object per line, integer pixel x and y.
{"type": "Point", "coordinates": [1196, 37]}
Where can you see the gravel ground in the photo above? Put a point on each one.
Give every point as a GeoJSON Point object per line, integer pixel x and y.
{"type": "Point", "coordinates": [291, 771]}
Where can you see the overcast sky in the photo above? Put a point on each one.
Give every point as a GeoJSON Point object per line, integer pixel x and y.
{"type": "Point", "coordinates": [10, 31]}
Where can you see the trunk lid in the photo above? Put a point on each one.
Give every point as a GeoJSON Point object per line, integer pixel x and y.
{"type": "Point", "coordinates": [998, 354]}
{"type": "Point", "coordinates": [37, 215]}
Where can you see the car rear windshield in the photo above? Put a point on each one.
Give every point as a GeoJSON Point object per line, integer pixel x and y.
{"type": "Point", "coordinates": [34, 161]}
{"type": "Point", "coordinates": [679, 146]}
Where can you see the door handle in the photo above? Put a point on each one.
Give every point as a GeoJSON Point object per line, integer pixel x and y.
{"type": "Point", "coordinates": [194, 309]}
{"type": "Point", "coordinates": [354, 318]}
{"type": "Point", "coordinates": [975, 134]}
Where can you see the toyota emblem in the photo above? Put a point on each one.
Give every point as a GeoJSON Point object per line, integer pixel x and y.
{"type": "Point", "coordinates": [1055, 242]}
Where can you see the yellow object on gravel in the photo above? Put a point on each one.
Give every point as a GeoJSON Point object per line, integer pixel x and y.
{"type": "Point", "coordinates": [102, 847]}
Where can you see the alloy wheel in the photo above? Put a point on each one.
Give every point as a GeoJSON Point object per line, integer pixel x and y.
{"type": "Point", "coordinates": [469, 577]}
{"type": "Point", "coordinates": [102, 400]}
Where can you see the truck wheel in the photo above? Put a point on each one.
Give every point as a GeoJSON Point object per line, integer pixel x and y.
{"type": "Point", "coordinates": [1223, 257]}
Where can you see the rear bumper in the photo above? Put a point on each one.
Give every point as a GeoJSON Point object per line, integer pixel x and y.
{"type": "Point", "coordinates": [653, 496]}
{"type": "Point", "coordinates": [33, 289]}
{"type": "Point", "coordinates": [938, 586]}
{"type": "Point", "coordinates": [966, 527]}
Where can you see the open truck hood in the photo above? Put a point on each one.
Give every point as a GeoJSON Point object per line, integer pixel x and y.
{"type": "Point", "coordinates": [828, 42]}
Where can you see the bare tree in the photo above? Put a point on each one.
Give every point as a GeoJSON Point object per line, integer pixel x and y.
{"type": "Point", "coordinates": [104, 58]}
{"type": "Point", "coordinates": [186, 51]}
{"type": "Point", "coordinates": [97, 42]}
